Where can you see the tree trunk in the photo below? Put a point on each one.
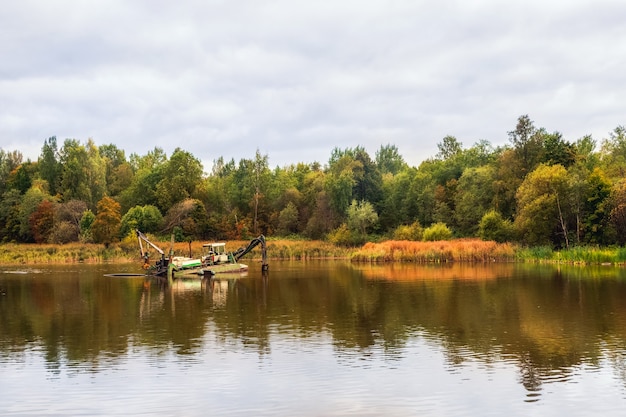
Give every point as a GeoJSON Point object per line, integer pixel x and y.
{"type": "Point", "coordinates": [562, 221]}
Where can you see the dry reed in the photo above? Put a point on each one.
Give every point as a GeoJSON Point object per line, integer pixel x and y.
{"type": "Point", "coordinates": [461, 250]}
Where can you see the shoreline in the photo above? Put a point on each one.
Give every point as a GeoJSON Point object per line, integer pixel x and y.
{"type": "Point", "coordinates": [438, 252]}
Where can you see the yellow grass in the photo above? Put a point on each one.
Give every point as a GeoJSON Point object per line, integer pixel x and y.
{"type": "Point", "coordinates": [276, 249]}
{"type": "Point", "coordinates": [30, 254]}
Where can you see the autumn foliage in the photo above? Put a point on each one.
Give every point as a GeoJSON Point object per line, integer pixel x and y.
{"type": "Point", "coordinates": [106, 227]}
{"type": "Point", "coordinates": [42, 221]}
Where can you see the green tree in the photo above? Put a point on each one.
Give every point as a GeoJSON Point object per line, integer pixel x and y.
{"type": "Point", "coordinates": [361, 217]}
{"type": "Point", "coordinates": [420, 199]}
{"type": "Point", "coordinates": [9, 161]}
{"type": "Point", "coordinates": [181, 175]}
{"type": "Point", "coordinates": [319, 217]}
{"type": "Point", "coordinates": [148, 219]}
{"type": "Point", "coordinates": [84, 172]}
{"type": "Point", "coordinates": [369, 186]}
{"type": "Point", "coordinates": [86, 221]}
{"type": "Point", "coordinates": [74, 181]}
{"type": "Point", "coordinates": [394, 207]}
{"type": "Point", "coordinates": [248, 185]}
{"type": "Point", "coordinates": [119, 173]}
{"type": "Point", "coordinates": [558, 151]}
{"type": "Point", "coordinates": [339, 189]}
{"type": "Point", "coordinates": [596, 208]}
{"type": "Point", "coordinates": [189, 217]}
{"type": "Point", "coordinates": [527, 143]}
{"type": "Point", "coordinates": [449, 148]}
{"type": "Point", "coordinates": [613, 153]}
{"type": "Point", "coordinates": [355, 169]}
{"type": "Point", "coordinates": [31, 200]}
{"type": "Point", "coordinates": [585, 152]}
{"type": "Point", "coordinates": [22, 177]}
{"type": "Point", "coordinates": [49, 164]}
{"type": "Point", "coordinates": [288, 219]}
{"type": "Point", "coordinates": [473, 198]}
{"type": "Point", "coordinates": [389, 161]}
{"type": "Point", "coordinates": [507, 181]}
{"type": "Point", "coordinates": [542, 206]}
{"type": "Point", "coordinates": [148, 171]}
{"type": "Point", "coordinates": [617, 214]}
{"type": "Point", "coordinates": [10, 208]}
{"type": "Point", "coordinates": [260, 173]}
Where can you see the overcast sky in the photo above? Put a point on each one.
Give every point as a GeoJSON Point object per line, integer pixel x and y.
{"type": "Point", "coordinates": [294, 79]}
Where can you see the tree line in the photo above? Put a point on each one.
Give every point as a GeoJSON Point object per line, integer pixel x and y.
{"type": "Point", "coordinates": [538, 189]}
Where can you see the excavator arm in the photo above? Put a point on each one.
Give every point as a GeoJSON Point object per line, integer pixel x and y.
{"type": "Point", "coordinates": [140, 237]}
{"type": "Point", "coordinates": [161, 266]}
{"type": "Point", "coordinates": [253, 244]}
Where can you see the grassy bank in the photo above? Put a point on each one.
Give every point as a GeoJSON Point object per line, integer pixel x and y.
{"type": "Point", "coordinates": [462, 250]}
{"type": "Point", "coordinates": [25, 254]}
{"type": "Point", "coordinates": [583, 255]}
{"type": "Point", "coordinates": [128, 251]}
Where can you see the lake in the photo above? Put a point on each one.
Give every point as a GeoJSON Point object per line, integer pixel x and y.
{"type": "Point", "coordinates": [315, 338]}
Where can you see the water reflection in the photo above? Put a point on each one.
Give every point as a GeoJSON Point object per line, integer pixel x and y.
{"type": "Point", "coordinates": [548, 323]}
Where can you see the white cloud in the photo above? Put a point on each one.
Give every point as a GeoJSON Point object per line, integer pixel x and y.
{"type": "Point", "coordinates": [296, 78]}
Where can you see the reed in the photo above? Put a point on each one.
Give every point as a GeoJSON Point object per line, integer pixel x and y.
{"type": "Point", "coordinates": [535, 254]}
{"type": "Point", "coordinates": [278, 249]}
{"type": "Point", "coordinates": [578, 255]}
{"type": "Point", "coordinates": [128, 251]}
{"type": "Point", "coordinates": [298, 249]}
{"type": "Point", "coordinates": [461, 250]}
{"type": "Point", "coordinates": [31, 254]}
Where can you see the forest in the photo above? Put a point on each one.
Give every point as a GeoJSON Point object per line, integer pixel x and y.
{"type": "Point", "coordinates": [538, 189]}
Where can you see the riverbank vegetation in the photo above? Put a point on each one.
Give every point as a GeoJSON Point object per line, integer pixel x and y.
{"type": "Point", "coordinates": [463, 250]}
{"type": "Point", "coordinates": [541, 190]}
{"type": "Point", "coordinates": [128, 251]}
{"type": "Point", "coordinates": [403, 251]}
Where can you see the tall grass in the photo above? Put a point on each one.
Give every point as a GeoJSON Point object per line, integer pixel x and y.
{"type": "Point", "coordinates": [462, 250]}
{"type": "Point", "coordinates": [17, 254]}
{"type": "Point", "coordinates": [584, 255]}
{"type": "Point", "coordinates": [128, 251]}
{"type": "Point", "coordinates": [286, 249]}
{"type": "Point", "coordinates": [536, 253]}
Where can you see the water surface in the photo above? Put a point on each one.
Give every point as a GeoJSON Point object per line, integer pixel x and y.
{"type": "Point", "coordinates": [315, 338]}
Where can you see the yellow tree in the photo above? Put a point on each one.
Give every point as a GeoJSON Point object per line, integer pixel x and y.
{"type": "Point", "coordinates": [106, 227]}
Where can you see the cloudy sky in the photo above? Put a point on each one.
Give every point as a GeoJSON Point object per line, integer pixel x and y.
{"type": "Point", "coordinates": [294, 79]}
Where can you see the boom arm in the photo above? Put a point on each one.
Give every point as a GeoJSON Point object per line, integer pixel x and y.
{"type": "Point", "coordinates": [140, 237]}
{"type": "Point", "coordinates": [253, 243]}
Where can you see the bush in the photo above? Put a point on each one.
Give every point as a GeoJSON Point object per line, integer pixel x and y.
{"type": "Point", "coordinates": [64, 232]}
{"type": "Point", "coordinates": [413, 232]}
{"type": "Point", "coordinates": [147, 219]}
{"type": "Point", "coordinates": [438, 231]}
{"type": "Point", "coordinates": [493, 227]}
{"type": "Point", "coordinates": [342, 236]}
